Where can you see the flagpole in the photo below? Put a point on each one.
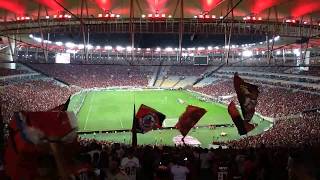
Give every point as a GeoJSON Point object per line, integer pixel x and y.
{"type": "Point", "coordinates": [134, 140]}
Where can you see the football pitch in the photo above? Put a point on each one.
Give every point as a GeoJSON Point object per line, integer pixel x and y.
{"type": "Point", "coordinates": [107, 115]}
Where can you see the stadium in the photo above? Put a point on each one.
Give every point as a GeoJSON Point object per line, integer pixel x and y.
{"type": "Point", "coordinates": [97, 62]}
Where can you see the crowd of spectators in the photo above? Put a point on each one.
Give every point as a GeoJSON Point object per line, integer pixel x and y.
{"type": "Point", "coordinates": [187, 70]}
{"type": "Point", "coordinates": [272, 101]}
{"type": "Point", "coordinates": [9, 72]}
{"type": "Point", "coordinates": [183, 162]}
{"type": "Point", "coordinates": [293, 132]}
{"type": "Point", "coordinates": [32, 96]}
{"type": "Point", "coordinates": [89, 76]}
{"type": "Point", "coordinates": [313, 71]}
{"type": "Point", "coordinates": [116, 161]}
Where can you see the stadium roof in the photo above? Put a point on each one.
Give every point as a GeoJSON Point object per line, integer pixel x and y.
{"type": "Point", "coordinates": [275, 9]}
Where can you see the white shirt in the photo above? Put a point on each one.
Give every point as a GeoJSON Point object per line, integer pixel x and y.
{"type": "Point", "coordinates": [179, 172]}
{"type": "Point", "coordinates": [130, 166]}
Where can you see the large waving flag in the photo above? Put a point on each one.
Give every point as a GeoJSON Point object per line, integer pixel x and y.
{"type": "Point", "coordinates": [41, 127]}
{"type": "Point", "coordinates": [243, 126]}
{"type": "Point", "coordinates": [148, 118]}
{"type": "Point", "coordinates": [247, 96]}
{"type": "Point", "coordinates": [189, 118]}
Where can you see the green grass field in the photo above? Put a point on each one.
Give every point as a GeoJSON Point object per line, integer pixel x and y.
{"type": "Point", "coordinates": [108, 110]}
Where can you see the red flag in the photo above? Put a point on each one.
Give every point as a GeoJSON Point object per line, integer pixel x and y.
{"type": "Point", "coordinates": [189, 118]}
{"type": "Point", "coordinates": [37, 127]}
{"type": "Point", "coordinates": [243, 126]}
{"type": "Point", "coordinates": [247, 96]}
{"type": "Point", "coordinates": [148, 118]}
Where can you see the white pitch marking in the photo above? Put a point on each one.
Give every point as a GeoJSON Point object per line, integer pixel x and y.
{"type": "Point", "coordinates": [90, 108]}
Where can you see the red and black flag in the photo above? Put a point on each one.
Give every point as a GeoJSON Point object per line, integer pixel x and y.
{"type": "Point", "coordinates": [243, 126]}
{"type": "Point", "coordinates": [148, 118]}
{"type": "Point", "coordinates": [40, 127]}
{"type": "Point", "coordinates": [189, 118]}
{"type": "Point", "coordinates": [247, 96]}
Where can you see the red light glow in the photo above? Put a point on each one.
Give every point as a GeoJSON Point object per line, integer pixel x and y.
{"type": "Point", "coordinates": [261, 5]}
{"type": "Point", "coordinates": [305, 7]}
{"type": "Point", "coordinates": [208, 5]}
{"type": "Point", "coordinates": [12, 6]}
{"type": "Point", "coordinates": [51, 4]}
{"type": "Point", "coordinates": [104, 4]}
{"type": "Point", "coordinates": [157, 5]}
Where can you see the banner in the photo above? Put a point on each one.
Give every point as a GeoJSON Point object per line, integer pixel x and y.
{"type": "Point", "coordinates": [247, 96]}
{"type": "Point", "coordinates": [189, 118]}
{"type": "Point", "coordinates": [243, 127]}
{"type": "Point", "coordinates": [148, 119]}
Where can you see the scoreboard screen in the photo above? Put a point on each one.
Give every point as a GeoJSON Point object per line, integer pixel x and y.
{"type": "Point", "coordinates": [200, 60]}
{"type": "Point", "coordinates": [63, 58]}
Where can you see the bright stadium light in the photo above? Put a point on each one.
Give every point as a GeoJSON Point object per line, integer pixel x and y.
{"type": "Point", "coordinates": [69, 44]}
{"type": "Point", "coordinates": [30, 36]}
{"type": "Point", "coordinates": [89, 46]}
{"type": "Point", "coordinates": [247, 53]}
{"type": "Point", "coordinates": [278, 52]}
{"type": "Point", "coordinates": [139, 49]}
{"type": "Point", "coordinates": [119, 48]}
{"type": "Point", "coordinates": [148, 49]}
{"type": "Point", "coordinates": [98, 47]}
{"type": "Point", "coordinates": [169, 49]}
{"type": "Point", "coordinates": [80, 46]}
{"type": "Point", "coordinates": [59, 43]}
{"type": "Point", "coordinates": [71, 51]}
{"type": "Point", "coordinates": [158, 49]}
{"type": "Point", "coordinates": [277, 38]}
{"type": "Point", "coordinates": [201, 48]}
{"type": "Point", "coordinates": [108, 47]}
{"type": "Point", "coordinates": [184, 54]}
{"type": "Point", "coordinates": [217, 47]}
{"type": "Point", "coordinates": [37, 39]}
{"type": "Point", "coordinates": [129, 48]}
{"type": "Point", "coordinates": [170, 16]}
{"type": "Point", "coordinates": [143, 16]}
{"type": "Point", "coordinates": [47, 42]}
{"type": "Point", "coordinates": [297, 52]}
{"type": "Point", "coordinates": [210, 48]}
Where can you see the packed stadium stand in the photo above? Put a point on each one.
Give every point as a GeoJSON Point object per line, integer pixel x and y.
{"type": "Point", "coordinates": [55, 51]}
